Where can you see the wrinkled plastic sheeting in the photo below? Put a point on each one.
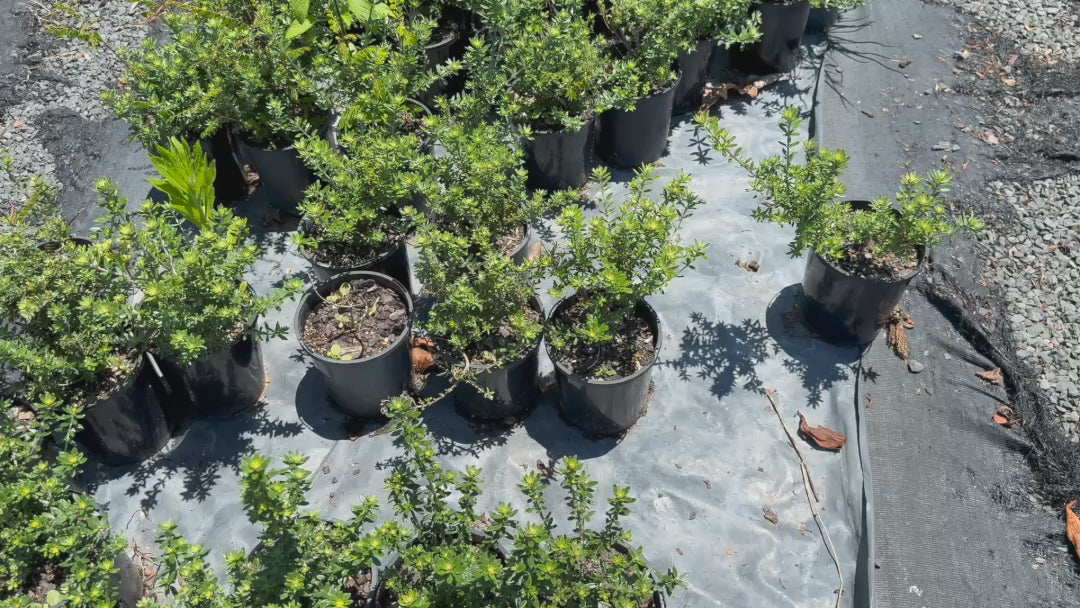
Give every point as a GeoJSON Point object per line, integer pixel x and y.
{"type": "Point", "coordinates": [704, 463]}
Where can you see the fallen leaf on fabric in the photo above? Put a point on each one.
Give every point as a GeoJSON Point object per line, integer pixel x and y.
{"type": "Point", "coordinates": [992, 377]}
{"type": "Point", "coordinates": [730, 552]}
{"type": "Point", "coordinates": [770, 516]}
{"type": "Point", "coordinates": [1072, 526]}
{"type": "Point", "coordinates": [535, 251]}
{"type": "Point", "coordinates": [1005, 416]}
{"type": "Point", "coordinates": [422, 360]}
{"type": "Point", "coordinates": [679, 551]}
{"type": "Point", "coordinates": [826, 439]}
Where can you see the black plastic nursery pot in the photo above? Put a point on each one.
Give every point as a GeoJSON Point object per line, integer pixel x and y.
{"type": "Point", "coordinates": [220, 385]}
{"type": "Point", "coordinates": [821, 19]}
{"type": "Point", "coordinates": [605, 407]}
{"type": "Point", "coordinates": [449, 46]}
{"type": "Point", "coordinates": [513, 386]}
{"type": "Point", "coordinates": [782, 27]}
{"type": "Point", "coordinates": [282, 174]}
{"type": "Point", "coordinates": [129, 580]}
{"type": "Point", "coordinates": [394, 262]}
{"type": "Point", "coordinates": [557, 160]}
{"type": "Point", "coordinates": [845, 308]}
{"type": "Point", "coordinates": [229, 182]}
{"type": "Point", "coordinates": [694, 69]}
{"type": "Point", "coordinates": [631, 138]}
{"type": "Point", "coordinates": [360, 386]}
{"type": "Point", "coordinates": [129, 424]}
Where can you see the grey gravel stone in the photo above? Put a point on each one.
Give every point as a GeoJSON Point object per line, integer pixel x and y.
{"type": "Point", "coordinates": [914, 366]}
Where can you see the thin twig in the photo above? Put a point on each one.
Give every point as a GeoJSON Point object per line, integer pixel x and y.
{"type": "Point", "coordinates": [794, 444]}
{"type": "Point", "coordinates": [811, 496]}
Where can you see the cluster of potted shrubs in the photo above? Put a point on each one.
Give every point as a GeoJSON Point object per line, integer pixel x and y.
{"type": "Point", "coordinates": [115, 340]}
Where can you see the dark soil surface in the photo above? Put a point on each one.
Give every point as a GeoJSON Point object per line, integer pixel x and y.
{"type": "Point", "coordinates": [509, 243]}
{"type": "Point", "coordinates": [360, 588]}
{"type": "Point", "coordinates": [863, 261]}
{"type": "Point", "coordinates": [634, 347]}
{"type": "Point", "coordinates": [40, 583]}
{"type": "Point", "coordinates": [339, 255]}
{"type": "Point", "coordinates": [363, 321]}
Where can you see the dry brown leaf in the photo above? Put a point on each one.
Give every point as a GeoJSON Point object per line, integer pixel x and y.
{"type": "Point", "coordinates": [1009, 82]}
{"type": "Point", "coordinates": [992, 377]}
{"type": "Point", "coordinates": [826, 439]}
{"type": "Point", "coordinates": [897, 339]}
{"type": "Point", "coordinates": [1005, 416]}
{"type": "Point", "coordinates": [423, 343]}
{"type": "Point", "coordinates": [770, 516]}
{"type": "Point", "coordinates": [535, 251]}
{"type": "Point", "coordinates": [1072, 526]}
{"type": "Point", "coordinates": [711, 95]}
{"type": "Point", "coordinates": [422, 360]}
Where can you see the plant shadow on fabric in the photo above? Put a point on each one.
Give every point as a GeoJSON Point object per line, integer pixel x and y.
{"type": "Point", "coordinates": [724, 353]}
{"type": "Point", "coordinates": [841, 42]}
{"type": "Point", "coordinates": [201, 453]}
{"type": "Point", "coordinates": [818, 364]}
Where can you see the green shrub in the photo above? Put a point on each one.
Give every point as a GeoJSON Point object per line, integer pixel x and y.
{"type": "Point", "coordinates": [806, 195]}
{"type": "Point", "coordinates": [70, 326]}
{"type": "Point", "coordinates": [195, 300]}
{"type": "Point", "coordinates": [478, 188]}
{"type": "Point", "coordinates": [445, 564]}
{"type": "Point", "coordinates": [44, 526]}
{"type": "Point", "coordinates": [545, 69]}
{"type": "Point", "coordinates": [301, 559]}
{"type": "Point", "coordinates": [614, 260]}
{"type": "Point", "coordinates": [482, 307]}
{"type": "Point", "coordinates": [250, 66]}
{"type": "Point", "coordinates": [353, 209]}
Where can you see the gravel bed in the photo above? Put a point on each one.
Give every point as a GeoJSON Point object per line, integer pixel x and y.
{"type": "Point", "coordinates": [1044, 28]}
{"type": "Point", "coordinates": [52, 74]}
{"type": "Point", "coordinates": [1035, 259]}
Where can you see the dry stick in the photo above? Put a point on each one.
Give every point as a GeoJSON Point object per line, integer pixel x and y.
{"type": "Point", "coordinates": [811, 495]}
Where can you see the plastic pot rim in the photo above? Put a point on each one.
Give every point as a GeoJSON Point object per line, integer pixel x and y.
{"type": "Point", "coordinates": [313, 292]}
{"type": "Point", "coordinates": [589, 120]}
{"type": "Point", "coordinates": [336, 270]}
{"type": "Point", "coordinates": [448, 39]}
{"type": "Point", "coordinates": [657, 344]}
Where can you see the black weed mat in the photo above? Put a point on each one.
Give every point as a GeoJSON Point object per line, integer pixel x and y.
{"type": "Point", "coordinates": [965, 512]}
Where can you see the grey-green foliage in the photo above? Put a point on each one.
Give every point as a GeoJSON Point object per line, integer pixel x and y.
{"type": "Point", "coordinates": [801, 187]}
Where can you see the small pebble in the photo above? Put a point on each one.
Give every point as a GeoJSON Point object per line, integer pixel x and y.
{"type": "Point", "coordinates": [914, 366]}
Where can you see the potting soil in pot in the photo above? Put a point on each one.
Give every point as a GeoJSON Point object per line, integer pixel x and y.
{"type": "Point", "coordinates": [362, 321]}
{"type": "Point", "coordinates": [632, 348]}
{"type": "Point", "coordinates": [706, 462]}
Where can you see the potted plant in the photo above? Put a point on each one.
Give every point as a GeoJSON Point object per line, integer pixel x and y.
{"type": "Point", "coordinates": [477, 189]}
{"type": "Point", "coordinates": [446, 561]}
{"type": "Point", "coordinates": [862, 255]}
{"type": "Point", "coordinates": [70, 328]}
{"type": "Point", "coordinates": [301, 559]}
{"type": "Point", "coordinates": [485, 319]}
{"type": "Point", "coordinates": [351, 216]}
{"type": "Point", "coordinates": [250, 69]}
{"type": "Point", "coordinates": [192, 287]}
{"type": "Point", "coordinates": [645, 44]}
{"type": "Point", "coordinates": [704, 24]}
{"type": "Point", "coordinates": [603, 336]}
{"type": "Point", "coordinates": [549, 76]}
{"type": "Point", "coordinates": [163, 95]}
{"type": "Point", "coordinates": [823, 13]}
{"type": "Point", "coordinates": [56, 547]}
{"type": "Point", "coordinates": [782, 25]}
{"type": "Point", "coordinates": [356, 326]}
